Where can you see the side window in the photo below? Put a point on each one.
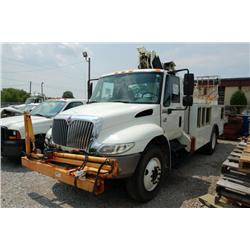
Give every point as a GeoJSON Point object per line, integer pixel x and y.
{"type": "Point", "coordinates": [208, 116]}
{"type": "Point", "coordinates": [203, 116]}
{"type": "Point", "coordinates": [172, 90]}
{"type": "Point", "coordinates": [73, 104]}
{"type": "Point", "coordinates": [175, 83]}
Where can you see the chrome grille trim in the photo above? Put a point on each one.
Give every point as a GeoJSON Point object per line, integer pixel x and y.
{"type": "Point", "coordinates": [76, 134]}
{"type": "Point", "coordinates": [59, 131]}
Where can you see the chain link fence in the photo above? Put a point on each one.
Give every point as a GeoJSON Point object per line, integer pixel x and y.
{"type": "Point", "coordinates": [6, 104]}
{"type": "Point", "coordinates": [237, 110]}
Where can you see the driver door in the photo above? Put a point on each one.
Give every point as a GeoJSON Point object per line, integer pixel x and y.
{"type": "Point", "coordinates": [172, 122]}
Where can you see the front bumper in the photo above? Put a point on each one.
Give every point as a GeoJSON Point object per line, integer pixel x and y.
{"type": "Point", "coordinates": [12, 148]}
{"type": "Point", "coordinates": [69, 168]}
{"type": "Point", "coordinates": [87, 173]}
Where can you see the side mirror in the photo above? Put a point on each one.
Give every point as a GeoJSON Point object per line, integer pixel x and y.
{"type": "Point", "coordinates": [188, 84]}
{"type": "Point", "coordinates": [187, 101]}
{"type": "Point", "coordinates": [90, 89]}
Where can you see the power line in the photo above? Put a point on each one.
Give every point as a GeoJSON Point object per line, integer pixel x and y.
{"type": "Point", "coordinates": [27, 83]}
{"type": "Point", "coordinates": [17, 84]}
{"type": "Point", "coordinates": [17, 80]}
{"type": "Point", "coordinates": [11, 79]}
{"type": "Point", "coordinates": [18, 62]}
{"type": "Point", "coordinates": [44, 69]}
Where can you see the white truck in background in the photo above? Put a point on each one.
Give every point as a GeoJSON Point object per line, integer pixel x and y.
{"type": "Point", "coordinates": [15, 110]}
{"type": "Point", "coordinates": [140, 118]}
{"type": "Point", "coordinates": [13, 129]}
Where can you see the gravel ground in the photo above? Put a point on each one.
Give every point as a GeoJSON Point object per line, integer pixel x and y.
{"type": "Point", "coordinates": [193, 177]}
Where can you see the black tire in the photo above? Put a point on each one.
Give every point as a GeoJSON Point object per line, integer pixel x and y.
{"type": "Point", "coordinates": [135, 185]}
{"type": "Point", "coordinates": [211, 146]}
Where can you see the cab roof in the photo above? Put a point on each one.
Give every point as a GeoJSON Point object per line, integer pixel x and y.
{"type": "Point", "coordinates": [134, 71]}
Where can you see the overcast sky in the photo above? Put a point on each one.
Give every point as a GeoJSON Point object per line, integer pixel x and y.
{"type": "Point", "coordinates": [61, 66]}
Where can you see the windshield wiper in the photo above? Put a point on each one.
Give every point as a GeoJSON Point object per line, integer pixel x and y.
{"type": "Point", "coordinates": [121, 101]}
{"type": "Point", "coordinates": [41, 115]}
{"type": "Point", "coordinates": [109, 101]}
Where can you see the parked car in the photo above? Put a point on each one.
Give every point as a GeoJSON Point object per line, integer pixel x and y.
{"type": "Point", "coordinates": [12, 128]}
{"type": "Point", "coordinates": [14, 110]}
{"type": "Point", "coordinates": [30, 103]}
{"type": "Point", "coordinates": [10, 111]}
{"type": "Point", "coordinates": [35, 99]}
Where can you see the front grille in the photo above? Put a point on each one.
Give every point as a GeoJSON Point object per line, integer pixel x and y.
{"type": "Point", "coordinates": [76, 134]}
{"type": "Point", "coordinates": [60, 132]}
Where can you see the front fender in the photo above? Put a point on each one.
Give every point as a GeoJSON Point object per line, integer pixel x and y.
{"type": "Point", "coordinates": [140, 134]}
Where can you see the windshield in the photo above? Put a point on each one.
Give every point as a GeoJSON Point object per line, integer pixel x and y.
{"type": "Point", "coordinates": [141, 87]}
{"type": "Point", "coordinates": [48, 109]}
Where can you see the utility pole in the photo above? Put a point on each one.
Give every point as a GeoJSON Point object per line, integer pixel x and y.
{"type": "Point", "coordinates": [42, 88]}
{"type": "Point", "coordinates": [30, 86]}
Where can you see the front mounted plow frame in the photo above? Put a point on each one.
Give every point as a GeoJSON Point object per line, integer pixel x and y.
{"type": "Point", "coordinates": [80, 170]}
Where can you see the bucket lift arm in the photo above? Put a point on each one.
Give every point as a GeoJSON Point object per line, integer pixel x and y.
{"type": "Point", "coordinates": [29, 134]}
{"type": "Point", "coordinates": [149, 60]}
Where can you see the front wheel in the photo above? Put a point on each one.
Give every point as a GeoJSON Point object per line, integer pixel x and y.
{"type": "Point", "coordinates": [148, 177]}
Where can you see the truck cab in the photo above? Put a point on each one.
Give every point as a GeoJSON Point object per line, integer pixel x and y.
{"type": "Point", "coordinates": [128, 109]}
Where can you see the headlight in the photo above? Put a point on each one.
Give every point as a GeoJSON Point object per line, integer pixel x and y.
{"type": "Point", "coordinates": [112, 149]}
{"type": "Point", "coordinates": [14, 135]}
{"type": "Point", "coordinates": [48, 138]}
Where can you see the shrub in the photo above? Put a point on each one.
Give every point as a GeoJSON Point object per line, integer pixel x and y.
{"type": "Point", "coordinates": [67, 94]}
{"type": "Point", "coordinates": [238, 98]}
{"type": "Point", "coordinates": [13, 95]}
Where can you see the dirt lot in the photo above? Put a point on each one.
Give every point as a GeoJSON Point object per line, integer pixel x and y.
{"type": "Point", "coordinates": [193, 177]}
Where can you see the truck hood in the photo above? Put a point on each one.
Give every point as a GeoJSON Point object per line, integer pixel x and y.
{"type": "Point", "coordinates": [110, 113]}
{"type": "Point", "coordinates": [17, 123]}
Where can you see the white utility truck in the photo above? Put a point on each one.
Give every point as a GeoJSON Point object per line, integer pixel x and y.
{"type": "Point", "coordinates": [133, 126]}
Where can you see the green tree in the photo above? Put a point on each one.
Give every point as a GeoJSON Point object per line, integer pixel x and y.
{"type": "Point", "coordinates": [67, 94]}
{"type": "Point", "coordinates": [238, 98]}
{"type": "Point", "coordinates": [13, 95]}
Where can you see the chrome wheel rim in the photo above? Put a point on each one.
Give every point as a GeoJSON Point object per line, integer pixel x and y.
{"type": "Point", "coordinates": [152, 174]}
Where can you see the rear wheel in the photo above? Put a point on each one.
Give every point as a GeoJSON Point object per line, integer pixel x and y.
{"type": "Point", "coordinates": [148, 177]}
{"type": "Point", "coordinates": [210, 147]}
